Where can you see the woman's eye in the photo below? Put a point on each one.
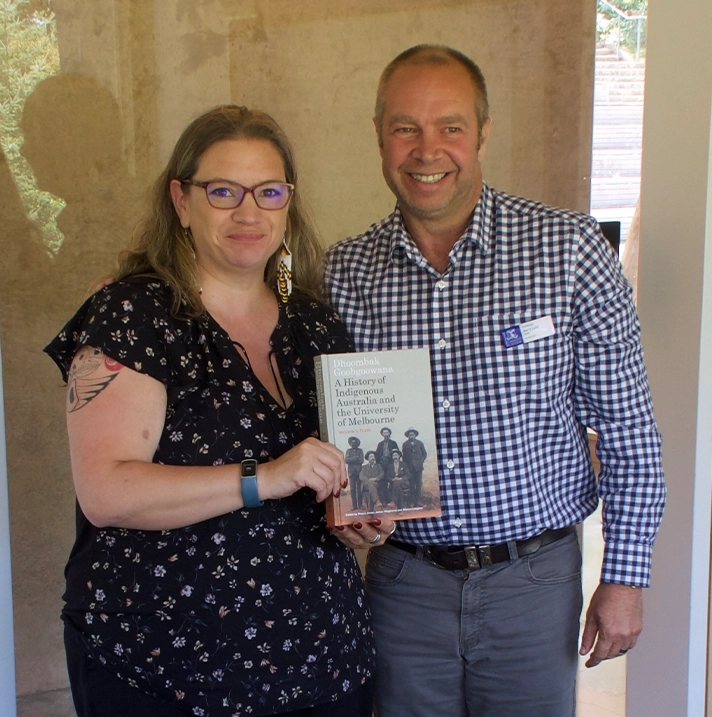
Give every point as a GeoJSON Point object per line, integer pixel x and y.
{"type": "Point", "coordinates": [272, 191]}
{"type": "Point", "coordinates": [221, 190]}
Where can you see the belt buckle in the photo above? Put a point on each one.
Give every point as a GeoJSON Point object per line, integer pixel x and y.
{"type": "Point", "coordinates": [471, 556]}
{"type": "Point", "coordinates": [485, 555]}
{"type": "Point", "coordinates": [477, 556]}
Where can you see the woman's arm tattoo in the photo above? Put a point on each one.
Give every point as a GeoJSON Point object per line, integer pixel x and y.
{"type": "Point", "coordinates": [91, 372]}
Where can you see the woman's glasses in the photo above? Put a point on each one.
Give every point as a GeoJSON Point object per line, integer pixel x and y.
{"type": "Point", "coordinates": [222, 194]}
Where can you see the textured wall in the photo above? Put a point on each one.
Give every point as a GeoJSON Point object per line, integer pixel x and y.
{"type": "Point", "coordinates": [134, 72]}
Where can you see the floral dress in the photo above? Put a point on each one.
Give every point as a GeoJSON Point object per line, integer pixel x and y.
{"type": "Point", "coordinates": [257, 611]}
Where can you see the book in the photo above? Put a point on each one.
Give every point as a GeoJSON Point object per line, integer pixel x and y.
{"type": "Point", "coordinates": [377, 407]}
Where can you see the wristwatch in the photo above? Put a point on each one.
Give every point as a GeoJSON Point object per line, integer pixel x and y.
{"type": "Point", "coordinates": [248, 483]}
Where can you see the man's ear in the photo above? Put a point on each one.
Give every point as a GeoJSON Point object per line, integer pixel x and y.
{"type": "Point", "coordinates": [180, 202]}
{"type": "Point", "coordinates": [378, 135]}
{"type": "Point", "coordinates": [484, 136]}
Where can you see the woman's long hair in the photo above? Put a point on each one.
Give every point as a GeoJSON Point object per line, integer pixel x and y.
{"type": "Point", "coordinates": [164, 249]}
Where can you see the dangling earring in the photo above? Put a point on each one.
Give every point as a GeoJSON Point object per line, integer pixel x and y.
{"type": "Point", "coordinates": [189, 237]}
{"type": "Point", "coordinates": [284, 272]}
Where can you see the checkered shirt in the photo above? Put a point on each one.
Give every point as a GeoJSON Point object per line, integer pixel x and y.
{"type": "Point", "coordinates": [511, 422]}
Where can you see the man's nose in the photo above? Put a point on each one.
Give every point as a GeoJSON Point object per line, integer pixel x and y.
{"type": "Point", "coordinates": [428, 146]}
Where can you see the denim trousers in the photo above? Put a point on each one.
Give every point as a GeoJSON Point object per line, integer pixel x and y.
{"type": "Point", "coordinates": [501, 641]}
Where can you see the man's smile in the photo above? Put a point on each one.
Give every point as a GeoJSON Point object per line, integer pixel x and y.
{"type": "Point", "coordinates": [428, 178]}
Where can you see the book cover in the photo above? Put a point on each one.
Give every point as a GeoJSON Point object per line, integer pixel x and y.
{"type": "Point", "coordinates": [377, 407]}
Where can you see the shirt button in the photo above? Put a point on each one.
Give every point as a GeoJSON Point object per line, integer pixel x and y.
{"type": "Point", "coordinates": [446, 404]}
{"type": "Point", "coordinates": [441, 284]}
{"type": "Point", "coordinates": [442, 343]}
{"type": "Point", "coordinates": [450, 464]}
{"type": "Point", "coordinates": [457, 522]}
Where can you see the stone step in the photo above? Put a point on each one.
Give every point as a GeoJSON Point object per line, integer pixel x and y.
{"type": "Point", "coordinates": [631, 113]}
{"type": "Point", "coordinates": [617, 136]}
{"type": "Point", "coordinates": [620, 77]}
{"type": "Point", "coordinates": [619, 69]}
{"type": "Point", "coordinates": [619, 98]}
{"type": "Point", "coordinates": [620, 80]}
{"type": "Point", "coordinates": [614, 65]}
{"type": "Point", "coordinates": [616, 162]}
{"type": "Point", "coordinates": [605, 54]}
{"type": "Point", "coordinates": [603, 94]}
{"type": "Point", "coordinates": [610, 192]}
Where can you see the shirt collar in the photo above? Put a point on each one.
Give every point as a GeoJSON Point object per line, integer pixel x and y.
{"type": "Point", "coordinates": [478, 232]}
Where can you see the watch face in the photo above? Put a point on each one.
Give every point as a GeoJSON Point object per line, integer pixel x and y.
{"type": "Point", "coordinates": [249, 467]}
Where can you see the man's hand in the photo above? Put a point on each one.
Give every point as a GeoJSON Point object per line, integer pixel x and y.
{"type": "Point", "coordinates": [615, 614]}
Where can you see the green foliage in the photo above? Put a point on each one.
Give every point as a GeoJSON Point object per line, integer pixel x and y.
{"type": "Point", "coordinates": [28, 53]}
{"type": "Point", "coordinates": [610, 24]}
{"type": "Point", "coordinates": [632, 7]}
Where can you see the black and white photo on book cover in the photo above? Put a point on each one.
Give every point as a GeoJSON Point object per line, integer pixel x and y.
{"type": "Point", "coordinates": [377, 407]}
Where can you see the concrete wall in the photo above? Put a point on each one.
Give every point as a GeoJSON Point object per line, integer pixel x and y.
{"type": "Point", "coordinates": [133, 74]}
{"type": "Point", "coordinates": [668, 669]}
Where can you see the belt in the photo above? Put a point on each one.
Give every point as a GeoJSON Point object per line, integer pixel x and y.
{"type": "Point", "coordinates": [474, 557]}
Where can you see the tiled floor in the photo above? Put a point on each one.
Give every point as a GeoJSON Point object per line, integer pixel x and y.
{"type": "Point", "coordinates": [601, 690]}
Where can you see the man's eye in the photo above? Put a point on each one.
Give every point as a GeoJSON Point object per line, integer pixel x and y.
{"type": "Point", "coordinates": [405, 130]}
{"type": "Point", "coordinates": [452, 130]}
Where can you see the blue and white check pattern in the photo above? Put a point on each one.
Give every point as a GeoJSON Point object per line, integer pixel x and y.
{"type": "Point", "coordinates": [511, 422]}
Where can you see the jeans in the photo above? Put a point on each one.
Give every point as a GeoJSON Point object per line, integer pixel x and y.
{"type": "Point", "coordinates": [496, 642]}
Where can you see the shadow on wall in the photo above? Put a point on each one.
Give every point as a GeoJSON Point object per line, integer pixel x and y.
{"type": "Point", "coordinates": [73, 142]}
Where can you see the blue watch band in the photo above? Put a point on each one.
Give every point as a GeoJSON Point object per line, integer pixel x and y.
{"type": "Point", "coordinates": [248, 484]}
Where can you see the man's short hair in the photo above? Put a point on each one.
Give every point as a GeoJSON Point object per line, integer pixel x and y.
{"type": "Point", "coordinates": [434, 55]}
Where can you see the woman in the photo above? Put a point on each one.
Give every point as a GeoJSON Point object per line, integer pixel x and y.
{"type": "Point", "coordinates": [203, 579]}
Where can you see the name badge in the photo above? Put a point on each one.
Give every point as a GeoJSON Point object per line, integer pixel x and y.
{"type": "Point", "coordinates": [528, 332]}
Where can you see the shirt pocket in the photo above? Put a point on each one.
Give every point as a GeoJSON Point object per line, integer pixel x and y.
{"type": "Point", "coordinates": [543, 366]}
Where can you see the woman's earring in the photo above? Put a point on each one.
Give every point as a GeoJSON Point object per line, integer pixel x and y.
{"type": "Point", "coordinates": [189, 236]}
{"type": "Point", "coordinates": [284, 272]}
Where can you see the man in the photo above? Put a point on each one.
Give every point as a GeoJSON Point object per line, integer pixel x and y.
{"type": "Point", "coordinates": [414, 455]}
{"type": "Point", "coordinates": [371, 477]}
{"type": "Point", "coordinates": [383, 456]}
{"type": "Point", "coordinates": [354, 460]}
{"type": "Point", "coordinates": [384, 448]}
{"type": "Point", "coordinates": [533, 337]}
{"type": "Point", "coordinates": [399, 477]}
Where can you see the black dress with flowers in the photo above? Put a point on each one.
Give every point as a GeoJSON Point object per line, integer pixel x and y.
{"type": "Point", "coordinates": [257, 611]}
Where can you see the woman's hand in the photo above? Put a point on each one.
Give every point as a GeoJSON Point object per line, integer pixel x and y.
{"type": "Point", "coordinates": [365, 535]}
{"type": "Point", "coordinates": [310, 464]}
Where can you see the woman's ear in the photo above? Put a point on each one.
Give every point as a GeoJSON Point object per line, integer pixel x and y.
{"type": "Point", "coordinates": [180, 202]}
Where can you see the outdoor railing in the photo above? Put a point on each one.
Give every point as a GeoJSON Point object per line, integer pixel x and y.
{"type": "Point", "coordinates": [620, 14]}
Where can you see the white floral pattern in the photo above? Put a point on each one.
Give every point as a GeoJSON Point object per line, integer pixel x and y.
{"type": "Point", "coordinates": [252, 612]}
